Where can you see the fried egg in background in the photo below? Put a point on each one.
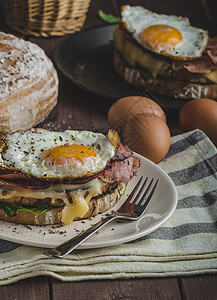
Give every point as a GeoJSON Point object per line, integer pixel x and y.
{"type": "Point", "coordinates": [171, 36]}
{"type": "Point", "coordinates": [50, 154]}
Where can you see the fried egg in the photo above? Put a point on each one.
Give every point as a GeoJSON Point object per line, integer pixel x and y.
{"type": "Point", "coordinates": [171, 36]}
{"type": "Point", "coordinates": [56, 155]}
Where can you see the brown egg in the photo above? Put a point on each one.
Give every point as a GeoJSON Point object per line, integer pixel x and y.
{"type": "Point", "coordinates": [148, 135]}
{"type": "Point", "coordinates": [126, 108]}
{"type": "Point", "coordinates": [200, 114]}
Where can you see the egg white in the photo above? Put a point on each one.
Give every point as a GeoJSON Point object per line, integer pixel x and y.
{"type": "Point", "coordinates": [24, 151]}
{"type": "Point", "coordinates": [194, 40]}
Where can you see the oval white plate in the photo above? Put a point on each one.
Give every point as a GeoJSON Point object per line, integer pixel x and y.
{"type": "Point", "coordinates": [159, 210]}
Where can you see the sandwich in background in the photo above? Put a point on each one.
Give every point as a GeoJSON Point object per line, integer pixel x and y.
{"type": "Point", "coordinates": [165, 55]}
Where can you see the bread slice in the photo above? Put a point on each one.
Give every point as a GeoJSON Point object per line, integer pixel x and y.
{"type": "Point", "coordinates": [96, 205]}
{"type": "Point", "coordinates": [50, 217]}
{"type": "Point", "coordinates": [161, 85]}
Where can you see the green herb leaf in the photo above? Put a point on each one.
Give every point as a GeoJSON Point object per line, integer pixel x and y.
{"type": "Point", "coordinates": [104, 194]}
{"type": "Point", "coordinates": [11, 209]}
{"type": "Point", "coordinates": [145, 74]}
{"type": "Point", "coordinates": [125, 189]}
{"type": "Point", "coordinates": [108, 18]}
{"type": "Point", "coordinates": [43, 208]}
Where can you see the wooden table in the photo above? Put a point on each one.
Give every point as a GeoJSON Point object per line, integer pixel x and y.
{"type": "Point", "coordinates": [80, 109]}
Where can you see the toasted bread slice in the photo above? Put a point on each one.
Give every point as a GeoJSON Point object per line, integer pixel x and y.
{"type": "Point", "coordinates": [96, 205]}
{"type": "Point", "coordinates": [163, 86]}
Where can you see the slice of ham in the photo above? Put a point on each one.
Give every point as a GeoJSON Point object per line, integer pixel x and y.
{"type": "Point", "coordinates": [123, 152]}
{"type": "Point", "coordinates": [121, 171]}
{"type": "Point", "coordinates": [213, 55]}
{"type": "Point", "coordinates": [203, 65]}
{"type": "Point", "coordinates": [212, 49]}
{"type": "Point", "coordinates": [207, 62]}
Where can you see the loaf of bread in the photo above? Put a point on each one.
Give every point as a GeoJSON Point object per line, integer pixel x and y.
{"type": "Point", "coordinates": [28, 84]}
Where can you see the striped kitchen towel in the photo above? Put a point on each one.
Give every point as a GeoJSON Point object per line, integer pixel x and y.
{"type": "Point", "coordinates": [185, 245]}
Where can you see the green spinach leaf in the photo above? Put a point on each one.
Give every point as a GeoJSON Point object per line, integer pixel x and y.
{"type": "Point", "coordinates": [108, 18]}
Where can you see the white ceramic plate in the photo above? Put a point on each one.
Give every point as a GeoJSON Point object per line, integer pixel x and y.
{"type": "Point", "coordinates": [159, 210]}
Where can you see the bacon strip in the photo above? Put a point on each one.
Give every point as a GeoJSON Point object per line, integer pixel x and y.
{"type": "Point", "coordinates": [122, 153]}
{"type": "Point", "coordinates": [121, 171]}
{"type": "Point", "coordinates": [118, 165]}
{"type": "Point", "coordinates": [207, 62]}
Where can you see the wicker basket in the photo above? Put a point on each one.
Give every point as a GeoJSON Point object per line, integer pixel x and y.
{"type": "Point", "coordinates": [45, 17]}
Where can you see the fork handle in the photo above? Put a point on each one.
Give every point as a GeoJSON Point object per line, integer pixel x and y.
{"type": "Point", "coordinates": [68, 246]}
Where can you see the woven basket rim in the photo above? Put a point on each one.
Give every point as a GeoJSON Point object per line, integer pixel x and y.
{"type": "Point", "coordinates": [30, 19]}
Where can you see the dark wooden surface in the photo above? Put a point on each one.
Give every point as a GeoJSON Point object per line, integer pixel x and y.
{"type": "Point", "coordinates": [79, 109]}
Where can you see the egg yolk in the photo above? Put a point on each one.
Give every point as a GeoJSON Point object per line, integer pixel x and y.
{"type": "Point", "coordinates": [162, 36]}
{"type": "Point", "coordinates": [70, 155]}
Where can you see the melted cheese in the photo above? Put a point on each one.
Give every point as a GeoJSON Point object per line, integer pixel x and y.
{"type": "Point", "coordinates": [135, 55]}
{"type": "Point", "coordinates": [54, 192]}
{"type": "Point", "coordinates": [76, 197]}
{"type": "Point", "coordinates": [80, 207]}
{"type": "Point", "coordinates": [212, 76]}
{"type": "Point", "coordinates": [69, 213]}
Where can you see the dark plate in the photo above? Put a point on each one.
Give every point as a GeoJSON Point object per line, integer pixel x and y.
{"type": "Point", "coordinates": [86, 58]}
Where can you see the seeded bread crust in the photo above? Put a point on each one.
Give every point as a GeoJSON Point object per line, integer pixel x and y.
{"type": "Point", "coordinates": [29, 84]}
{"type": "Point", "coordinates": [53, 216]}
{"type": "Point", "coordinates": [170, 88]}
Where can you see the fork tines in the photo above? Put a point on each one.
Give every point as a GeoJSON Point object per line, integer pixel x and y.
{"type": "Point", "coordinates": [143, 196]}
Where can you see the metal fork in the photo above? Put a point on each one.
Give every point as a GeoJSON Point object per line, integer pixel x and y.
{"type": "Point", "coordinates": [132, 209]}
